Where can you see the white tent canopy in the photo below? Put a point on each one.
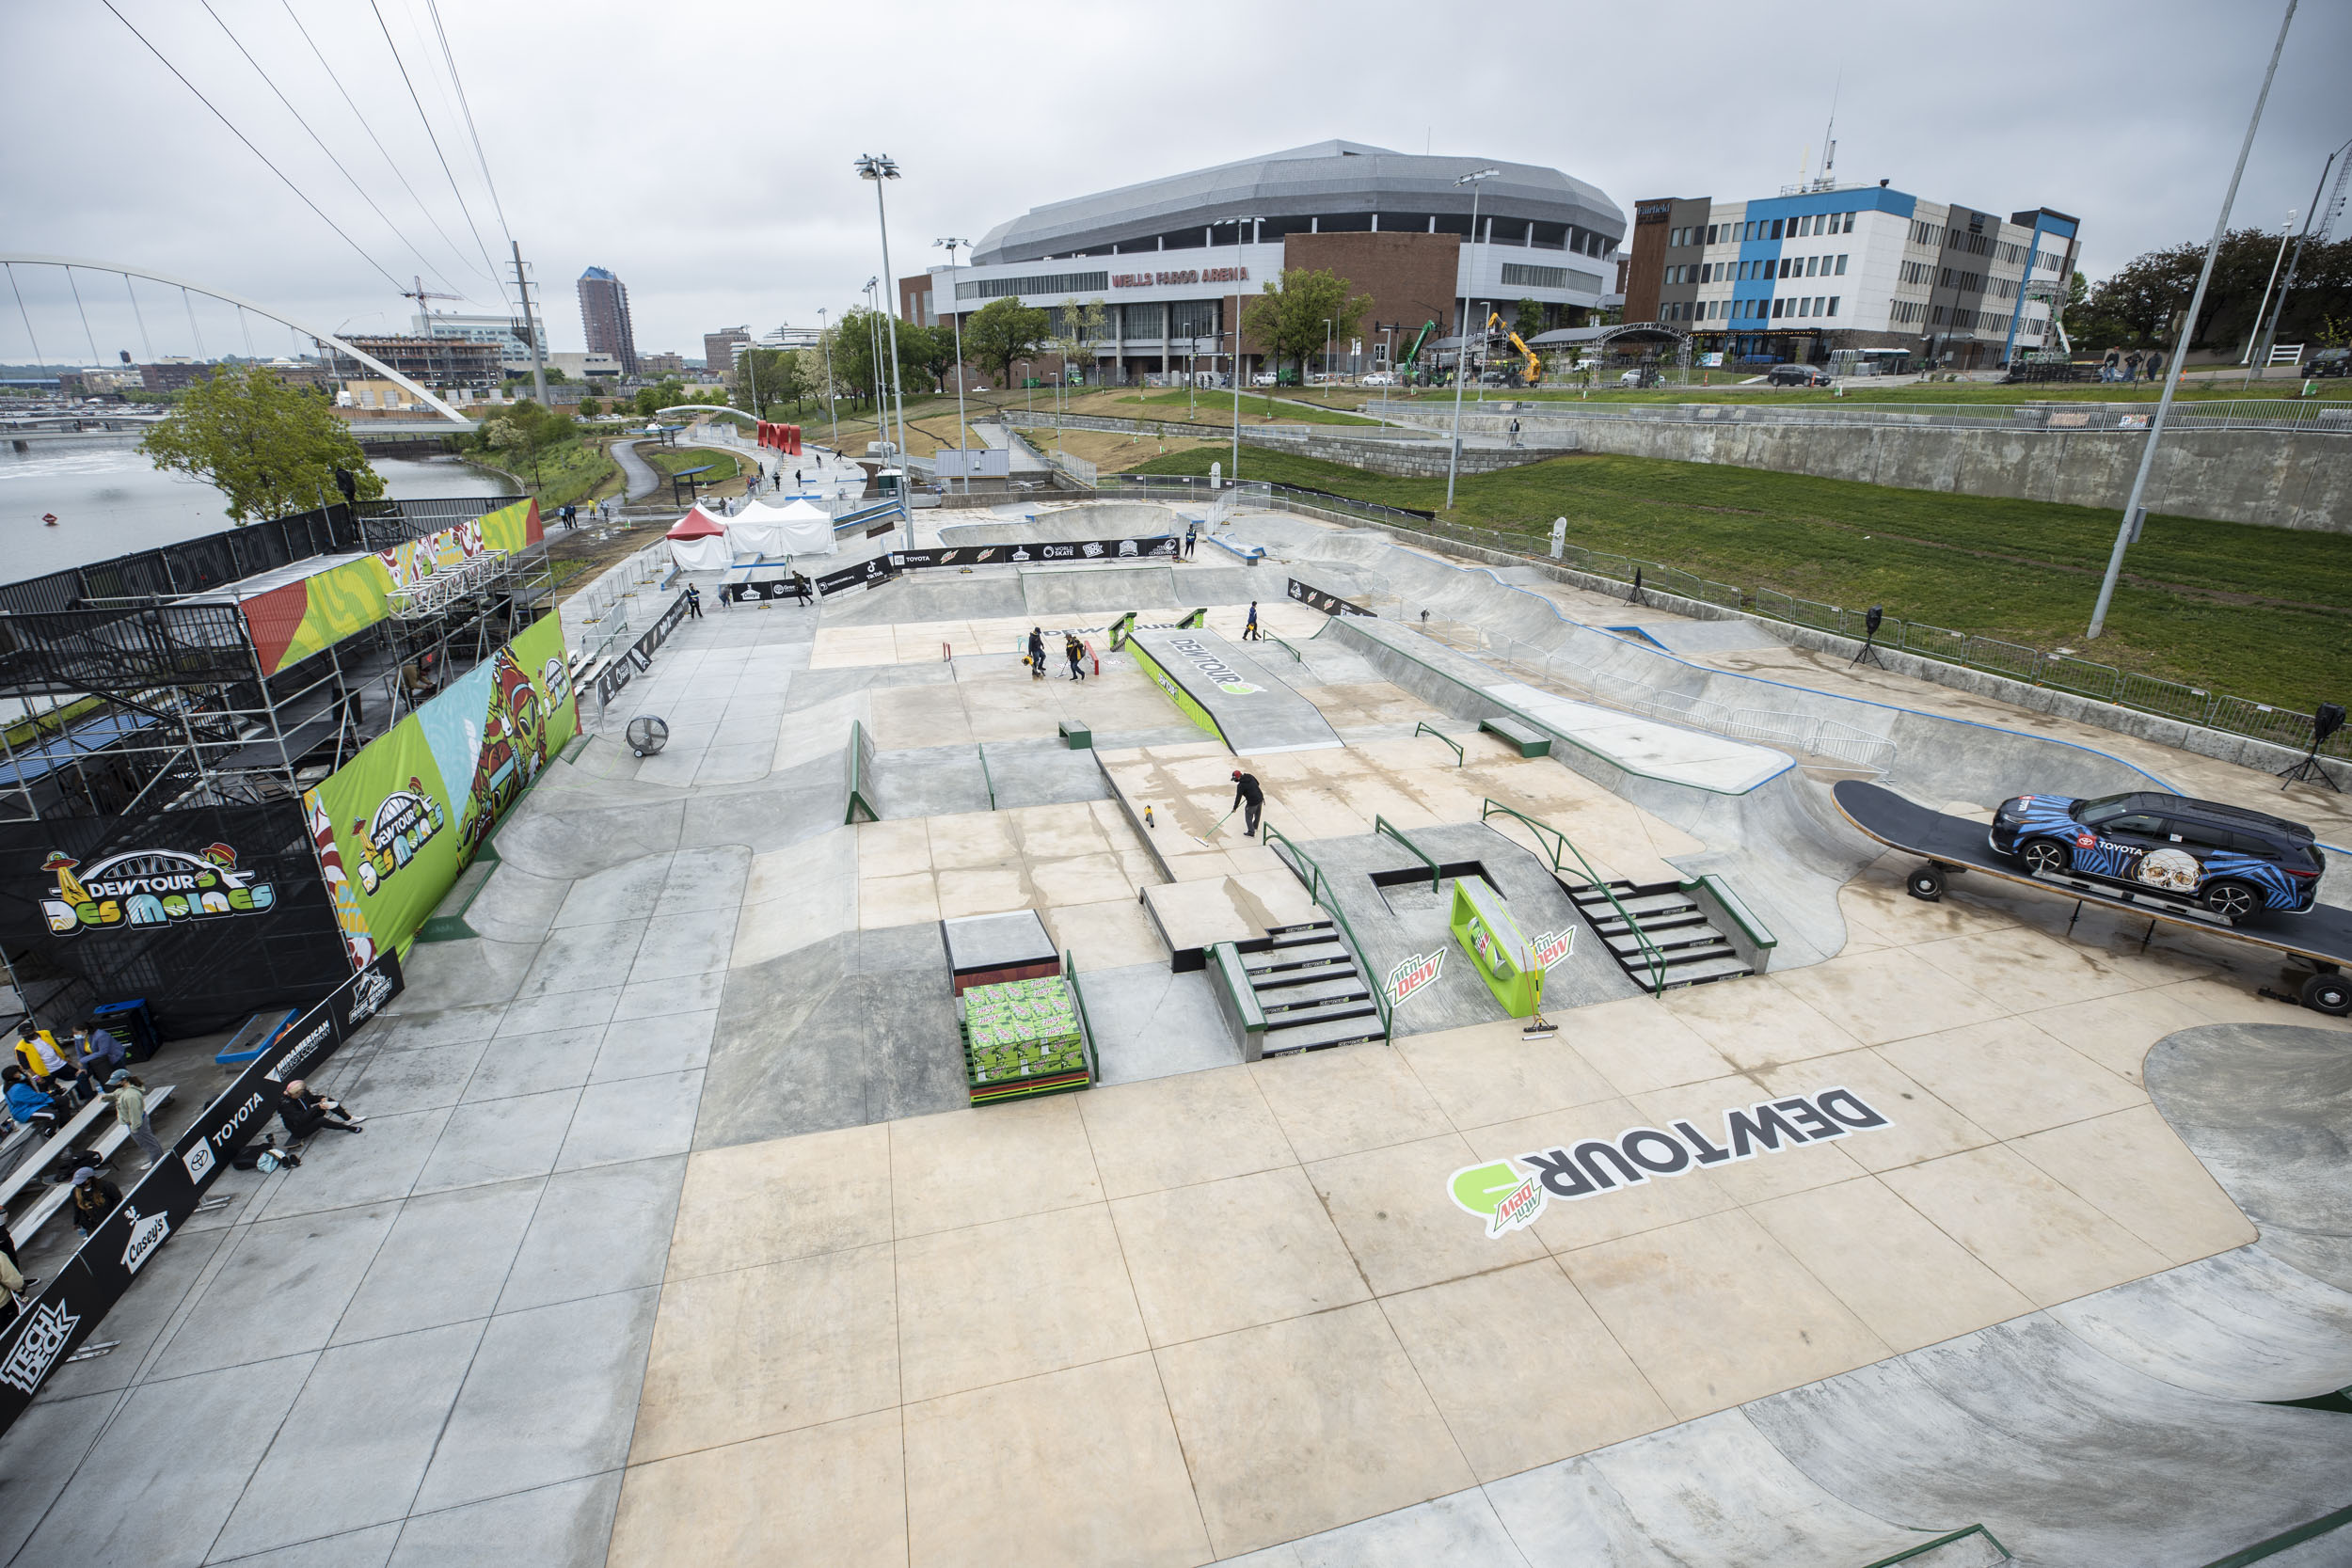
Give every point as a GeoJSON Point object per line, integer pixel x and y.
{"type": "Point", "coordinates": [774, 532]}
{"type": "Point", "coordinates": [698, 542]}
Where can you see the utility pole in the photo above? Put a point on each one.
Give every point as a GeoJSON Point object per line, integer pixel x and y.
{"type": "Point", "coordinates": [832, 412]}
{"type": "Point", "coordinates": [1476, 182]}
{"type": "Point", "coordinates": [2180, 350]}
{"type": "Point", "coordinates": [878, 169]}
{"type": "Point", "coordinates": [530, 330]}
{"type": "Point", "coordinates": [2326, 219]}
{"type": "Point", "coordinates": [957, 316]}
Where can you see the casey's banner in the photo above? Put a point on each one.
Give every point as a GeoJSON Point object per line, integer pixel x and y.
{"type": "Point", "coordinates": [396, 824]}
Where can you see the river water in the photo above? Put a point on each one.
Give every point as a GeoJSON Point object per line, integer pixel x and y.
{"type": "Point", "coordinates": [110, 501]}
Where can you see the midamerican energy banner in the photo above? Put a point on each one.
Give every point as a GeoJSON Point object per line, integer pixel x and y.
{"type": "Point", "coordinates": [396, 824]}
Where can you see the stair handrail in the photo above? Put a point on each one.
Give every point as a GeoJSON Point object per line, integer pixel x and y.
{"type": "Point", "coordinates": [1122, 629]}
{"type": "Point", "coordinates": [1652, 957]}
{"type": "Point", "coordinates": [1382, 825]}
{"type": "Point", "coordinates": [1271, 838]}
{"type": "Point", "coordinates": [1943, 1540]}
{"type": "Point", "coordinates": [1420, 729]}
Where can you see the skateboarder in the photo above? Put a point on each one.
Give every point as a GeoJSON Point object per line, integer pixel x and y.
{"type": "Point", "coordinates": [1249, 798]}
{"type": "Point", "coordinates": [1037, 653]}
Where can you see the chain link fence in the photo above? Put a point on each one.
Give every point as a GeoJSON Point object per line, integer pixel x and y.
{"type": "Point", "coordinates": [2061, 671]}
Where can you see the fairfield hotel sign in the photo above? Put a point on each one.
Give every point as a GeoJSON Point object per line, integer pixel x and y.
{"type": "Point", "coordinates": [1177, 280]}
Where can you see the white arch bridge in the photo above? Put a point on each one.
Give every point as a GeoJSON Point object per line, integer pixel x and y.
{"type": "Point", "coordinates": [71, 263]}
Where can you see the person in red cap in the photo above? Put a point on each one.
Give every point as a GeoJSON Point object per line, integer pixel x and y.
{"type": "Point", "coordinates": [1247, 793]}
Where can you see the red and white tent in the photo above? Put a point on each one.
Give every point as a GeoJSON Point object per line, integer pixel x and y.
{"type": "Point", "coordinates": [698, 542]}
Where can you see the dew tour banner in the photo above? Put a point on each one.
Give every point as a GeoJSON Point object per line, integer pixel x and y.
{"type": "Point", "coordinates": [290, 622]}
{"type": "Point", "coordinates": [396, 824]}
{"type": "Point", "coordinates": [207, 914]}
{"type": "Point", "coordinates": [1509, 1194]}
{"type": "Point", "coordinates": [75, 1298]}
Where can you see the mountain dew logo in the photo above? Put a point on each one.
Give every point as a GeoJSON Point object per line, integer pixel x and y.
{"type": "Point", "coordinates": [1412, 974]}
{"type": "Point", "coordinates": [1498, 1194]}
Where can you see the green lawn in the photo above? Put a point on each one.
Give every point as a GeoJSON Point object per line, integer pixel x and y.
{"type": "Point", "coordinates": [676, 460]}
{"type": "Point", "coordinates": [562, 475]}
{"type": "Point", "coordinates": [1726, 388]}
{"type": "Point", "coordinates": [2262, 613]}
{"type": "Point", "coordinates": [1214, 408]}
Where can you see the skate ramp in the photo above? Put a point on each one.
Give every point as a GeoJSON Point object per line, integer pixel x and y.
{"type": "Point", "coordinates": [993, 594]}
{"type": "Point", "coordinates": [1056, 525]}
{"type": "Point", "coordinates": [1094, 590]}
{"type": "Point", "coordinates": [1234, 697]}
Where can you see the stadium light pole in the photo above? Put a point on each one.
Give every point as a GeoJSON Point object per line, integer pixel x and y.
{"type": "Point", "coordinates": [878, 169]}
{"type": "Point", "coordinates": [2264, 309]}
{"type": "Point", "coordinates": [833, 413]}
{"type": "Point", "coordinates": [2180, 349]}
{"type": "Point", "coordinates": [1476, 182]}
{"type": "Point", "coordinates": [957, 317]}
{"type": "Point", "coordinates": [1241, 228]}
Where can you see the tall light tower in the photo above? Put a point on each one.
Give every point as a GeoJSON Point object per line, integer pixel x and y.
{"type": "Point", "coordinates": [1461, 336]}
{"type": "Point", "coordinates": [957, 316]}
{"type": "Point", "coordinates": [878, 169]}
{"type": "Point", "coordinates": [824, 340]}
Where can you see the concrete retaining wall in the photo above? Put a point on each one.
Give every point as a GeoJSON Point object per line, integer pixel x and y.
{"type": "Point", "coordinates": [2276, 479]}
{"type": "Point", "coordinates": [1367, 447]}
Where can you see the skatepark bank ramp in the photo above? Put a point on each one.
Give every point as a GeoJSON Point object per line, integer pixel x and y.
{"type": "Point", "coordinates": [1229, 694]}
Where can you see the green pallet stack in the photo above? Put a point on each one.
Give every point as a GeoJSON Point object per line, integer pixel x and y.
{"type": "Point", "coordinates": [1021, 1039]}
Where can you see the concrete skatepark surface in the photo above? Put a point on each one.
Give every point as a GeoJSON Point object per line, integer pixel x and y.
{"type": "Point", "coordinates": [670, 1228]}
{"type": "Point", "coordinates": [1243, 697]}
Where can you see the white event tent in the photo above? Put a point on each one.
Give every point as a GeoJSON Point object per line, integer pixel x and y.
{"type": "Point", "coordinates": [701, 542]}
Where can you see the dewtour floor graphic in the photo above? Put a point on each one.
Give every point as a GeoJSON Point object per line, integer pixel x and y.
{"type": "Point", "coordinates": [723, 1196]}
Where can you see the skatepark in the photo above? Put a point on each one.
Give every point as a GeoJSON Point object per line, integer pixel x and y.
{"type": "Point", "coordinates": [677, 1233]}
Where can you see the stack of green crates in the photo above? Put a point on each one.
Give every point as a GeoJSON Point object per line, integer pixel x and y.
{"type": "Point", "coordinates": [1021, 1039]}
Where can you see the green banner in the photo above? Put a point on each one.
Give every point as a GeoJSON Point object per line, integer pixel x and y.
{"type": "Point", "coordinates": [411, 811]}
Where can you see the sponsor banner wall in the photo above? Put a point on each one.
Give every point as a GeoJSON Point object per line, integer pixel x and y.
{"type": "Point", "coordinates": [403, 818]}
{"type": "Point", "coordinates": [207, 914]}
{"type": "Point", "coordinates": [73, 1302]}
{"type": "Point", "coordinates": [1327, 602]}
{"type": "Point", "coordinates": [291, 623]}
{"type": "Point", "coordinates": [1158, 547]}
{"type": "Point", "coordinates": [627, 668]}
{"type": "Point", "coordinates": [872, 574]}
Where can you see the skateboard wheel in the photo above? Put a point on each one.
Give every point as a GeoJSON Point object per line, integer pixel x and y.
{"type": "Point", "coordinates": [1927, 883]}
{"type": "Point", "coordinates": [2329, 992]}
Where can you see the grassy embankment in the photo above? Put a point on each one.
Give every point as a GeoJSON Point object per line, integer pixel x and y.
{"type": "Point", "coordinates": [2261, 614]}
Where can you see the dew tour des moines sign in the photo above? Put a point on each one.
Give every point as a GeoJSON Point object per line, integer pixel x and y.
{"type": "Point", "coordinates": [1509, 1195]}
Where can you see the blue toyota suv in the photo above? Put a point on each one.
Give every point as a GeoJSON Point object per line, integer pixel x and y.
{"type": "Point", "coordinates": [2228, 859]}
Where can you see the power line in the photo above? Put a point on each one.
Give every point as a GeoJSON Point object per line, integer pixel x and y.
{"type": "Point", "coordinates": [427, 121]}
{"type": "Point", "coordinates": [316, 138]}
{"type": "Point", "coordinates": [466, 109]}
{"type": "Point", "coordinates": [388, 161]}
{"type": "Point", "coordinates": [249, 147]}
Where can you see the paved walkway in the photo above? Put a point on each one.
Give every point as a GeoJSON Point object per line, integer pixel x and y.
{"type": "Point", "coordinates": [636, 472]}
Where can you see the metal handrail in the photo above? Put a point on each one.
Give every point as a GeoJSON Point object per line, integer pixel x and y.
{"type": "Point", "coordinates": [1943, 1540]}
{"type": "Point", "coordinates": [1270, 836]}
{"type": "Point", "coordinates": [989, 783]}
{"type": "Point", "coordinates": [1652, 957]}
{"type": "Point", "coordinates": [1421, 729]}
{"type": "Point", "coordinates": [1296, 656]}
{"type": "Point", "coordinates": [1382, 825]}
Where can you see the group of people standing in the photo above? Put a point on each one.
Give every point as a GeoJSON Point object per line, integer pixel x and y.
{"type": "Point", "coordinates": [2121, 366]}
{"type": "Point", "coordinates": [1072, 649]}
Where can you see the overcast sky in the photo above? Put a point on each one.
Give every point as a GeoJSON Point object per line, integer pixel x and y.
{"type": "Point", "coordinates": [701, 152]}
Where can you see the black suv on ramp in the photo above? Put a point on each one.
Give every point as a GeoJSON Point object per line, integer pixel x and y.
{"type": "Point", "coordinates": [2231, 859]}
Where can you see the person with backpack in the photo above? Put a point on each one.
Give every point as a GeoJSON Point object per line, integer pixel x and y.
{"type": "Point", "coordinates": [1076, 652]}
{"type": "Point", "coordinates": [128, 1098]}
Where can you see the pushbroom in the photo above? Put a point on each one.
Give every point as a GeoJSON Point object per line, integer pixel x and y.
{"type": "Point", "coordinates": [1202, 839]}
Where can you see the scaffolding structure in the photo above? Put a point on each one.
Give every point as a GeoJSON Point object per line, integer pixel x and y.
{"type": "Point", "coordinates": [135, 686]}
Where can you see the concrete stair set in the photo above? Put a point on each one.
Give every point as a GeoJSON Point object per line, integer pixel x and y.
{"type": "Point", "coordinates": [1310, 988]}
{"type": "Point", "coordinates": [1695, 951]}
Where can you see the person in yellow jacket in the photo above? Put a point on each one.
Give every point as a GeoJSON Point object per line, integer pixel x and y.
{"type": "Point", "coordinates": [51, 1071]}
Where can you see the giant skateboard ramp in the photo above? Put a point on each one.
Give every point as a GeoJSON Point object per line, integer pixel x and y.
{"type": "Point", "coordinates": [1229, 694]}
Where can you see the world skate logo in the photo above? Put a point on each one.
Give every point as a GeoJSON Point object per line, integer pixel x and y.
{"type": "Point", "coordinates": [36, 1348]}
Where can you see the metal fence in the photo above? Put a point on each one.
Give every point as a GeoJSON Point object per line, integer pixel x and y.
{"type": "Point", "coordinates": [2274, 414]}
{"type": "Point", "coordinates": [2189, 705]}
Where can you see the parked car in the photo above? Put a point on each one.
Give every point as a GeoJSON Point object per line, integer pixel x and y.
{"type": "Point", "coordinates": [1797, 375]}
{"type": "Point", "coordinates": [2231, 859]}
{"type": "Point", "coordinates": [2329, 361]}
{"type": "Point", "coordinates": [1264, 378]}
{"type": "Point", "coordinates": [1378, 378]}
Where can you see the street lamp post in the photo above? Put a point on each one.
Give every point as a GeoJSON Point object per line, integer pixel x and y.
{"type": "Point", "coordinates": [1327, 341]}
{"type": "Point", "coordinates": [1241, 226]}
{"type": "Point", "coordinates": [833, 414]}
{"type": "Point", "coordinates": [2295, 262]}
{"type": "Point", "coordinates": [2180, 350]}
{"type": "Point", "coordinates": [957, 316]}
{"type": "Point", "coordinates": [877, 169]}
{"type": "Point", "coordinates": [1476, 182]}
{"type": "Point", "coordinates": [2261, 309]}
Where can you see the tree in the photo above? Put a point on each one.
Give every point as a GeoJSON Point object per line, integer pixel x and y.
{"type": "Point", "coordinates": [1002, 332]}
{"type": "Point", "coordinates": [1289, 317]}
{"type": "Point", "coordinates": [2133, 308]}
{"type": "Point", "coordinates": [270, 449]}
{"type": "Point", "coordinates": [647, 403]}
{"type": "Point", "coordinates": [555, 373]}
{"type": "Point", "coordinates": [525, 432]}
{"type": "Point", "coordinates": [774, 372]}
{"type": "Point", "coordinates": [809, 370]}
{"type": "Point", "coordinates": [1529, 321]}
{"type": "Point", "coordinates": [926, 353]}
{"type": "Point", "coordinates": [1076, 328]}
{"type": "Point", "coordinates": [590, 409]}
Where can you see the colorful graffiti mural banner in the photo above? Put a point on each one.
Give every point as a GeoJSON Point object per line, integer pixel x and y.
{"type": "Point", "coordinates": [291, 623]}
{"type": "Point", "coordinates": [396, 824]}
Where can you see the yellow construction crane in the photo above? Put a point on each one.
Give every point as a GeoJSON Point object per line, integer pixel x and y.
{"type": "Point", "coordinates": [1535, 366]}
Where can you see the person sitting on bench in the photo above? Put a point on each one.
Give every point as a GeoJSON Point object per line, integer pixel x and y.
{"type": "Point", "coordinates": [305, 1112]}
{"type": "Point", "coordinates": [25, 1102]}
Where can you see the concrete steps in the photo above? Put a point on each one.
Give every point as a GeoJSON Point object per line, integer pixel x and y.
{"type": "Point", "coordinates": [1310, 988]}
{"type": "Point", "coordinates": [1695, 951]}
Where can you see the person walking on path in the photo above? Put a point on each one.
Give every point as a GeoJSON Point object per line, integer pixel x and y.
{"type": "Point", "coordinates": [129, 1095]}
{"type": "Point", "coordinates": [1249, 632]}
{"type": "Point", "coordinates": [2131, 366]}
{"type": "Point", "coordinates": [693, 602]}
{"type": "Point", "coordinates": [1192, 539]}
{"type": "Point", "coordinates": [799, 588]}
{"type": "Point", "coordinates": [2156, 364]}
{"type": "Point", "coordinates": [1515, 431]}
{"type": "Point", "coordinates": [1037, 653]}
{"type": "Point", "coordinates": [2111, 368]}
{"type": "Point", "coordinates": [1250, 798]}
{"type": "Point", "coordinates": [1076, 652]}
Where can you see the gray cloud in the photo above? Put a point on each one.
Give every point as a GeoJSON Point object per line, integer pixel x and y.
{"type": "Point", "coordinates": [703, 152]}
